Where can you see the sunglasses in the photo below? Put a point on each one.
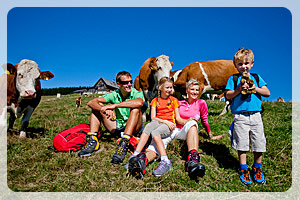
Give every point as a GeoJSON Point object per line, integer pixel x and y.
{"type": "Point", "coordinates": [125, 82]}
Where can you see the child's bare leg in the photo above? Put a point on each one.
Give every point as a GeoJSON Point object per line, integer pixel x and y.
{"type": "Point", "coordinates": [143, 140]}
{"type": "Point", "coordinates": [160, 145]}
{"type": "Point", "coordinates": [257, 157]}
{"type": "Point", "coordinates": [242, 157]}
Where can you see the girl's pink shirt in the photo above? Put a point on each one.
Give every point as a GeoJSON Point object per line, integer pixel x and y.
{"type": "Point", "coordinates": [198, 108]}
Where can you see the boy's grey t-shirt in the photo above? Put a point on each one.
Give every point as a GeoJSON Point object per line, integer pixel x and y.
{"type": "Point", "coordinates": [251, 103]}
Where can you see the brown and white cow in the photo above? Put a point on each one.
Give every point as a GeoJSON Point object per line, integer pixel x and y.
{"type": "Point", "coordinates": [24, 91]}
{"type": "Point", "coordinates": [151, 71]}
{"type": "Point", "coordinates": [212, 75]}
{"type": "Point", "coordinates": [78, 102]}
{"type": "Point", "coordinates": [280, 99]}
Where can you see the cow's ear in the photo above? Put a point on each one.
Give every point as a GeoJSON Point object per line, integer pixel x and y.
{"type": "Point", "coordinates": [153, 65]}
{"type": "Point", "coordinates": [9, 68]}
{"type": "Point", "coordinates": [46, 75]}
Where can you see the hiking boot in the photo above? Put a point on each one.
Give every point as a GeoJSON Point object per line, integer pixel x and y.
{"type": "Point", "coordinates": [194, 167]}
{"type": "Point", "coordinates": [121, 151]}
{"type": "Point", "coordinates": [137, 165]}
{"type": "Point", "coordinates": [245, 177]}
{"type": "Point", "coordinates": [93, 146]}
{"type": "Point", "coordinates": [258, 175]}
{"type": "Point", "coordinates": [163, 168]}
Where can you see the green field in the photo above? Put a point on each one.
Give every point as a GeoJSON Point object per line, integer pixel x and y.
{"type": "Point", "coordinates": [32, 167]}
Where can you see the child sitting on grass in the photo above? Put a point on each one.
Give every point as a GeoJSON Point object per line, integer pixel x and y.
{"type": "Point", "coordinates": [164, 112]}
{"type": "Point", "coordinates": [247, 123]}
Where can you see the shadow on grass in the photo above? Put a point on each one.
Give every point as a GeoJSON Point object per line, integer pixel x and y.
{"type": "Point", "coordinates": [221, 154]}
{"type": "Point", "coordinates": [30, 132]}
{"type": "Point", "coordinates": [219, 151]}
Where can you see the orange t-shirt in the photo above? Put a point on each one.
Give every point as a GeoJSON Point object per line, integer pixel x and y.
{"type": "Point", "coordinates": [165, 111]}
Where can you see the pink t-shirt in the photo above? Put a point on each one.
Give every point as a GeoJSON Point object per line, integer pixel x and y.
{"type": "Point", "coordinates": [197, 109]}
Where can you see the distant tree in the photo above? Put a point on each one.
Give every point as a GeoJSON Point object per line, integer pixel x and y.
{"type": "Point", "coordinates": [61, 90]}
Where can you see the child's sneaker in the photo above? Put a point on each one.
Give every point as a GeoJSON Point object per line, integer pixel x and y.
{"type": "Point", "coordinates": [245, 177]}
{"type": "Point", "coordinates": [258, 175]}
{"type": "Point", "coordinates": [163, 168]}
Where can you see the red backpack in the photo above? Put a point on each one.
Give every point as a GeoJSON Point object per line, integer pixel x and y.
{"type": "Point", "coordinates": [72, 139]}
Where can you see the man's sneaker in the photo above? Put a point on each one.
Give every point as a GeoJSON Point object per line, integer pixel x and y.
{"type": "Point", "coordinates": [137, 165]}
{"type": "Point", "coordinates": [258, 175]}
{"type": "Point", "coordinates": [93, 146]}
{"type": "Point", "coordinates": [163, 168]}
{"type": "Point", "coordinates": [193, 167]}
{"type": "Point", "coordinates": [245, 177]}
{"type": "Point", "coordinates": [121, 151]}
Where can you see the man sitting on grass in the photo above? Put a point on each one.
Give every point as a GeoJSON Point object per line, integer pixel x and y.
{"type": "Point", "coordinates": [122, 116]}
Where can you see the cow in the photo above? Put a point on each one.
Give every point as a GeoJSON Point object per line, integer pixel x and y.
{"type": "Point", "coordinates": [151, 72]}
{"type": "Point", "coordinates": [78, 102]}
{"type": "Point", "coordinates": [212, 75]}
{"type": "Point", "coordinates": [280, 99]}
{"type": "Point", "coordinates": [23, 91]}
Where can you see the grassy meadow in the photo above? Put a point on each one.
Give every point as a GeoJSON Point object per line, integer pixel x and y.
{"type": "Point", "coordinates": [32, 167]}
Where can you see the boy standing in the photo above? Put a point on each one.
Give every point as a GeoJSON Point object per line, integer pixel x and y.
{"type": "Point", "coordinates": [247, 123]}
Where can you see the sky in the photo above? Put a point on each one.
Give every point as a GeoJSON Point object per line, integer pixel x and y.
{"type": "Point", "coordinates": [81, 45]}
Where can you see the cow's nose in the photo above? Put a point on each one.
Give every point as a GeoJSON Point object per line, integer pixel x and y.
{"type": "Point", "coordinates": [29, 93]}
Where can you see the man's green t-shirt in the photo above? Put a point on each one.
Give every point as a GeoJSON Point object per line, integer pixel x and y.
{"type": "Point", "coordinates": [122, 114]}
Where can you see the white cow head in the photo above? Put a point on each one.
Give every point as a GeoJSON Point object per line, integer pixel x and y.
{"type": "Point", "coordinates": [27, 76]}
{"type": "Point", "coordinates": [163, 68]}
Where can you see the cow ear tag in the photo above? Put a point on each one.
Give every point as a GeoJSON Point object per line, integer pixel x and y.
{"type": "Point", "coordinates": [7, 72]}
{"type": "Point", "coordinates": [46, 78]}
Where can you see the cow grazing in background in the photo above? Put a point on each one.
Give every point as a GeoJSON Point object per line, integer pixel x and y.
{"type": "Point", "coordinates": [212, 75]}
{"type": "Point", "coordinates": [78, 102]}
{"type": "Point", "coordinates": [23, 91]}
{"type": "Point", "coordinates": [280, 99]}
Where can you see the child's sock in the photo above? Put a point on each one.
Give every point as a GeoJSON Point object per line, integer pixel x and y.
{"type": "Point", "coordinates": [257, 165]}
{"type": "Point", "coordinates": [243, 167]}
{"type": "Point", "coordinates": [165, 158]}
{"type": "Point", "coordinates": [135, 153]}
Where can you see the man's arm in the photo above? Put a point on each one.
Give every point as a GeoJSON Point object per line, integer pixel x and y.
{"type": "Point", "coordinates": [133, 103]}
{"type": "Point", "coordinates": [97, 103]}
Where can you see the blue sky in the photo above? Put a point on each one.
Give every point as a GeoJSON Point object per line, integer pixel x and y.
{"type": "Point", "coordinates": [80, 45]}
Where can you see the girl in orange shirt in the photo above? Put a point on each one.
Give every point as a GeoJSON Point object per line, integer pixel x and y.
{"type": "Point", "coordinates": [164, 115]}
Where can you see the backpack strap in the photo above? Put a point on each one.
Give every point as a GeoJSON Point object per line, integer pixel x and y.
{"type": "Point", "coordinates": [235, 79]}
{"type": "Point", "coordinates": [256, 78]}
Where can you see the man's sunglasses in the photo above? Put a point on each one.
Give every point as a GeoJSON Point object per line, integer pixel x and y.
{"type": "Point", "coordinates": [125, 82]}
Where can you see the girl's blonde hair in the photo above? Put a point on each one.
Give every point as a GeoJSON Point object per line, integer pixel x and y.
{"type": "Point", "coordinates": [160, 85]}
{"type": "Point", "coordinates": [192, 82]}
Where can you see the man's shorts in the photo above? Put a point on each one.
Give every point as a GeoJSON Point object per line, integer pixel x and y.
{"type": "Point", "coordinates": [120, 131]}
{"type": "Point", "coordinates": [176, 134]}
{"type": "Point", "coordinates": [156, 128]}
{"type": "Point", "coordinates": [248, 126]}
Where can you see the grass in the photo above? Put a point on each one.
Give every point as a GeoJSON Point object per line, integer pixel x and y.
{"type": "Point", "coordinates": [32, 167]}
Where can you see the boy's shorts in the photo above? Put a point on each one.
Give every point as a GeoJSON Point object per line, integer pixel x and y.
{"type": "Point", "coordinates": [248, 126]}
{"type": "Point", "coordinates": [176, 134]}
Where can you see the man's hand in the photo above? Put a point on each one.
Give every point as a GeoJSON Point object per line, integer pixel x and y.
{"type": "Point", "coordinates": [108, 111]}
